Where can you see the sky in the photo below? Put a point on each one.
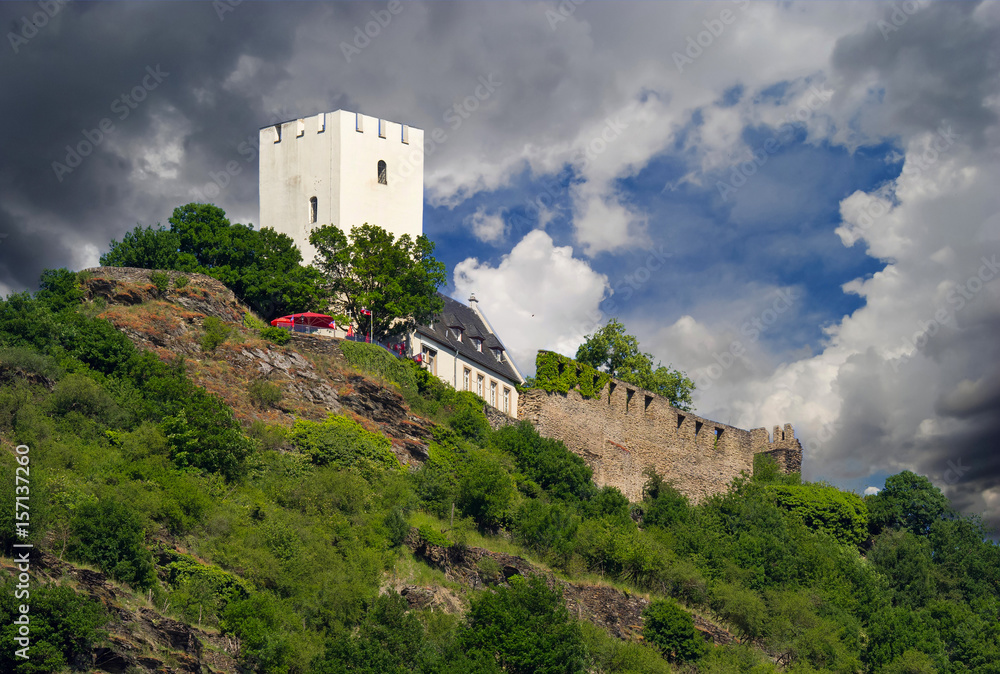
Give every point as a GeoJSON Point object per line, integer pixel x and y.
{"type": "Point", "coordinates": [795, 203]}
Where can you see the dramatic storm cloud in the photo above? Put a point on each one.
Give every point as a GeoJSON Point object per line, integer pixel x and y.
{"type": "Point", "coordinates": [793, 202]}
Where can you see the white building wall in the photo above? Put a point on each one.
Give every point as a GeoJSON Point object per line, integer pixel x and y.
{"type": "Point", "coordinates": [327, 157]}
{"type": "Point", "coordinates": [451, 370]}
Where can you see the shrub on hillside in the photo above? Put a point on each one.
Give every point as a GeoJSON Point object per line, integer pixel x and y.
{"type": "Point", "coordinates": [264, 393]}
{"type": "Point", "coordinates": [110, 534]}
{"type": "Point", "coordinates": [841, 514]}
{"type": "Point", "coordinates": [376, 360]}
{"type": "Point", "coordinates": [181, 282]}
{"type": "Point", "coordinates": [342, 443]}
{"type": "Point", "coordinates": [276, 335]}
{"type": "Point", "coordinates": [671, 629]}
{"type": "Point", "coordinates": [161, 280]}
{"type": "Point", "coordinates": [216, 332]}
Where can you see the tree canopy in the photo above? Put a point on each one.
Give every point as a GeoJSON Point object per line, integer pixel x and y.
{"type": "Point", "coordinates": [395, 279]}
{"type": "Point", "coordinates": [616, 352]}
{"type": "Point", "coordinates": [263, 267]}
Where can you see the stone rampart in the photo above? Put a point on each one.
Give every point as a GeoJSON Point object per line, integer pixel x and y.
{"type": "Point", "coordinates": [625, 429]}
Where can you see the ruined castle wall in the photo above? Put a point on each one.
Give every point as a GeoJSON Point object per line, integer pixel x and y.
{"type": "Point", "coordinates": [625, 429]}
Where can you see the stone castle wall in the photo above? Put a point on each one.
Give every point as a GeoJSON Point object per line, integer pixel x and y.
{"type": "Point", "coordinates": [626, 429]}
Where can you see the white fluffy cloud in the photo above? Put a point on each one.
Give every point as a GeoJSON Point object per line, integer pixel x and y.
{"type": "Point", "coordinates": [538, 297]}
{"type": "Point", "coordinates": [488, 227]}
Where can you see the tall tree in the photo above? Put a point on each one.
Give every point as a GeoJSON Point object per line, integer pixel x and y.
{"type": "Point", "coordinates": [616, 352]}
{"type": "Point", "coordinates": [263, 267]}
{"type": "Point", "coordinates": [394, 279]}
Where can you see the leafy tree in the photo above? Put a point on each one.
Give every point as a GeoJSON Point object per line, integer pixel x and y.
{"type": "Point", "coordinates": [486, 492]}
{"type": "Point", "coordinates": [395, 279]}
{"type": "Point", "coordinates": [59, 289]}
{"type": "Point", "coordinates": [525, 628]}
{"type": "Point", "coordinates": [825, 508]}
{"type": "Point", "coordinates": [663, 504]}
{"type": "Point", "coordinates": [263, 267]}
{"type": "Point", "coordinates": [616, 352]}
{"type": "Point", "coordinates": [909, 501]}
{"type": "Point", "coordinates": [145, 248]}
{"type": "Point", "coordinates": [110, 534]}
{"type": "Point", "coordinates": [671, 628]}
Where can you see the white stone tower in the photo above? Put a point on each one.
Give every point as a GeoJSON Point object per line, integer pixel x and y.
{"type": "Point", "coordinates": [344, 169]}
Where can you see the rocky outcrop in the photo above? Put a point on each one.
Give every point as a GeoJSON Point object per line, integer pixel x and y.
{"type": "Point", "coordinates": [619, 612]}
{"type": "Point", "coordinates": [129, 285]}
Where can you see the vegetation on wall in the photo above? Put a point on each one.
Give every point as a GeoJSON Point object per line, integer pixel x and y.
{"type": "Point", "coordinates": [558, 374]}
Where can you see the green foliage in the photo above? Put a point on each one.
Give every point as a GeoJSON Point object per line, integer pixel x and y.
{"type": "Point", "coordinates": [618, 354]}
{"type": "Point", "coordinates": [264, 393]}
{"type": "Point", "coordinates": [262, 267]}
{"type": "Point", "coordinates": [766, 470]}
{"type": "Point", "coordinates": [824, 508]}
{"type": "Point", "coordinates": [432, 536]}
{"type": "Point", "coordinates": [546, 462]}
{"type": "Point", "coordinates": [161, 280]}
{"type": "Point", "coordinates": [270, 437]}
{"type": "Point", "coordinates": [111, 535]}
{"type": "Point", "coordinates": [376, 360]}
{"type": "Point", "coordinates": [610, 655]}
{"type": "Point", "coordinates": [181, 282]}
{"type": "Point", "coordinates": [909, 501]}
{"type": "Point", "coordinates": [257, 622]}
{"type": "Point", "coordinates": [670, 628]}
{"type": "Point", "coordinates": [64, 627]}
{"type": "Point", "coordinates": [663, 504]}
{"type": "Point", "coordinates": [396, 279]}
{"type": "Point", "coordinates": [251, 322]}
{"type": "Point", "coordinates": [216, 332]}
{"type": "Point", "coordinates": [30, 361]}
{"type": "Point", "coordinates": [487, 492]}
{"type": "Point", "coordinates": [556, 373]}
{"type": "Point", "coordinates": [276, 335]}
{"type": "Point", "coordinates": [525, 628]}
{"type": "Point", "coordinates": [342, 443]}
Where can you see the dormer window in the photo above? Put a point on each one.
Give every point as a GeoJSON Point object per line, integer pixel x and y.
{"type": "Point", "coordinates": [456, 334]}
{"type": "Point", "coordinates": [498, 354]}
{"type": "Point", "coordinates": [478, 343]}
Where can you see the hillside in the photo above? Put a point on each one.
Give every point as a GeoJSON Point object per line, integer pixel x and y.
{"type": "Point", "coordinates": [205, 500]}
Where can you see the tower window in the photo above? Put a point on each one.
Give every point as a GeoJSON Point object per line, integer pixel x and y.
{"type": "Point", "coordinates": [313, 210]}
{"type": "Point", "coordinates": [381, 128]}
{"type": "Point", "coordinates": [359, 123]}
{"type": "Point", "coordinates": [382, 173]}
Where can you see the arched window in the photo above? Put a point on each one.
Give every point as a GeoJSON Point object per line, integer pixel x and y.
{"type": "Point", "coordinates": [313, 210]}
{"type": "Point", "coordinates": [382, 178]}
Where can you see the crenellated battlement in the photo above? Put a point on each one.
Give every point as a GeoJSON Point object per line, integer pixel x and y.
{"type": "Point", "coordinates": [623, 429]}
{"type": "Point", "coordinates": [316, 124]}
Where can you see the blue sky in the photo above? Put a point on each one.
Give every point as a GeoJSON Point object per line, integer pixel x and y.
{"type": "Point", "coordinates": [810, 184]}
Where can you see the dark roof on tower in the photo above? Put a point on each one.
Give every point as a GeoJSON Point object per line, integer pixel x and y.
{"type": "Point", "coordinates": [457, 315]}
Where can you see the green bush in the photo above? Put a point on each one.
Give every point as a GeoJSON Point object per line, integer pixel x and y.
{"type": "Point", "coordinates": [251, 322]}
{"type": "Point", "coordinates": [110, 534]}
{"type": "Point", "coordinates": [270, 437]}
{"type": "Point", "coordinates": [29, 360]}
{"type": "Point", "coordinates": [376, 360]}
{"type": "Point", "coordinates": [161, 280]}
{"type": "Point", "coordinates": [432, 536]}
{"type": "Point", "coordinates": [671, 629]}
{"type": "Point", "coordinates": [65, 626]}
{"type": "Point", "coordinates": [264, 393]}
{"type": "Point", "coordinates": [276, 335]}
{"type": "Point", "coordinates": [216, 332]}
{"type": "Point", "coordinates": [525, 629]}
{"type": "Point", "coordinates": [487, 492]}
{"type": "Point", "coordinates": [181, 282]}
{"type": "Point", "coordinates": [823, 508]}
{"type": "Point", "coordinates": [342, 443]}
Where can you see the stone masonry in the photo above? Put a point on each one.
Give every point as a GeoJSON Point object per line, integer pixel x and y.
{"type": "Point", "coordinates": [626, 429]}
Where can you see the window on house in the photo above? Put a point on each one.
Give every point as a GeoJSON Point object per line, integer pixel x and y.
{"type": "Point", "coordinates": [313, 210]}
{"type": "Point", "coordinates": [382, 177]}
{"type": "Point", "coordinates": [506, 400]}
{"type": "Point", "coordinates": [493, 394]}
{"type": "Point", "coordinates": [466, 377]}
{"type": "Point", "coordinates": [498, 354]}
{"type": "Point", "coordinates": [429, 358]}
{"type": "Point", "coordinates": [479, 386]}
{"type": "Point", "coordinates": [478, 343]}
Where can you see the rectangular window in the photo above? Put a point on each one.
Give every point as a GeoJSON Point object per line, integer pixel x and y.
{"type": "Point", "coordinates": [406, 134]}
{"type": "Point", "coordinates": [359, 124]}
{"type": "Point", "coordinates": [479, 386]}
{"type": "Point", "coordinates": [506, 400]}
{"type": "Point", "coordinates": [466, 378]}
{"type": "Point", "coordinates": [430, 358]}
{"type": "Point", "coordinates": [381, 128]}
{"type": "Point", "coordinates": [493, 394]}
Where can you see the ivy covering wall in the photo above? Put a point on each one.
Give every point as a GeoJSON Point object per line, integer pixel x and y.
{"type": "Point", "coordinates": [557, 373]}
